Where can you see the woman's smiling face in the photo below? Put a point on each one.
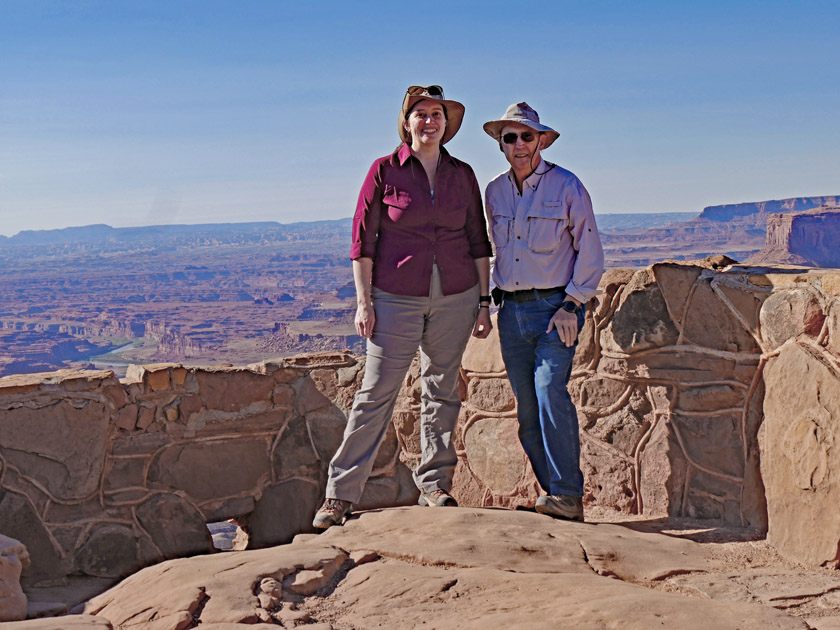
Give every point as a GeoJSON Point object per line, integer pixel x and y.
{"type": "Point", "coordinates": [426, 123]}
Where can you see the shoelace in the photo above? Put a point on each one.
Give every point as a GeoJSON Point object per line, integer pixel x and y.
{"type": "Point", "coordinates": [333, 506]}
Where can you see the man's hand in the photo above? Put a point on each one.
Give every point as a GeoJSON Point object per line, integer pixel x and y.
{"type": "Point", "coordinates": [566, 325]}
{"type": "Point", "coordinates": [483, 325]}
{"type": "Point", "coordinates": [365, 318]}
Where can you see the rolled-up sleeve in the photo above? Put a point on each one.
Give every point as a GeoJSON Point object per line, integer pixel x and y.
{"type": "Point", "coordinates": [476, 225]}
{"type": "Point", "coordinates": [368, 214]}
{"type": "Point", "coordinates": [589, 261]}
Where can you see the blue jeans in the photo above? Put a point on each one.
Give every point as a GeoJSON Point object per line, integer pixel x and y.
{"type": "Point", "coordinates": [539, 366]}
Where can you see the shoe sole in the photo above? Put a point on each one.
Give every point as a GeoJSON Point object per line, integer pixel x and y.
{"type": "Point", "coordinates": [326, 525]}
{"type": "Point", "coordinates": [449, 502]}
{"type": "Point", "coordinates": [548, 510]}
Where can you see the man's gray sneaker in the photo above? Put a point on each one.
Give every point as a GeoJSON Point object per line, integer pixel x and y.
{"type": "Point", "coordinates": [561, 506]}
{"type": "Point", "coordinates": [437, 498]}
{"type": "Point", "coordinates": [333, 512]}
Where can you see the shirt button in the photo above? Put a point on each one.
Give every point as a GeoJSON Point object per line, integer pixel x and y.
{"type": "Point", "coordinates": [518, 237]}
{"type": "Point", "coordinates": [516, 283]}
{"type": "Point", "coordinates": [517, 260]}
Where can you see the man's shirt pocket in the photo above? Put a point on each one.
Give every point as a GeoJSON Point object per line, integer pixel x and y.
{"type": "Point", "coordinates": [547, 221]}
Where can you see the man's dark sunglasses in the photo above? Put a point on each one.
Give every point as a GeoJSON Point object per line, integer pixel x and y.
{"type": "Point", "coordinates": [527, 136]}
{"type": "Point", "coordinates": [425, 90]}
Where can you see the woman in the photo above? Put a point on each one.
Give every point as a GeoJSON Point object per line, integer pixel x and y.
{"type": "Point", "coordinates": [421, 268]}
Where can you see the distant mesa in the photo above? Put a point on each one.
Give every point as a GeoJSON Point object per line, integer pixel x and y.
{"type": "Point", "coordinates": [806, 238]}
{"type": "Point", "coordinates": [756, 212]}
{"type": "Point", "coordinates": [738, 230]}
{"type": "Point", "coordinates": [162, 235]}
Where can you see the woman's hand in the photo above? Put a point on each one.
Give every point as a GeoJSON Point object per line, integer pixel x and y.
{"type": "Point", "coordinates": [365, 319]}
{"type": "Point", "coordinates": [483, 325]}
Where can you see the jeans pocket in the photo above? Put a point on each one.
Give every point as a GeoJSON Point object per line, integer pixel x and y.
{"type": "Point", "coordinates": [555, 300]}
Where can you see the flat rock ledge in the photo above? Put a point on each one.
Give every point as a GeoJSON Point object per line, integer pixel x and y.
{"type": "Point", "coordinates": [414, 567]}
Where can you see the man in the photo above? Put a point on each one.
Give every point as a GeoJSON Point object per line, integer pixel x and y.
{"type": "Point", "coordinates": [549, 260]}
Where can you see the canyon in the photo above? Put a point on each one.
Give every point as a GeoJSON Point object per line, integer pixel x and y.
{"type": "Point", "coordinates": [102, 297]}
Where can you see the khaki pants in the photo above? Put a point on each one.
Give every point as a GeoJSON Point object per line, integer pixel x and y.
{"type": "Point", "coordinates": [440, 325]}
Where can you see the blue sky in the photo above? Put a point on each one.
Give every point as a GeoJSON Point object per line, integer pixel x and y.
{"type": "Point", "coordinates": [185, 111]}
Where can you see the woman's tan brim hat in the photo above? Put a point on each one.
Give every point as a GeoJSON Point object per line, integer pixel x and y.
{"type": "Point", "coordinates": [523, 114]}
{"type": "Point", "coordinates": [416, 93]}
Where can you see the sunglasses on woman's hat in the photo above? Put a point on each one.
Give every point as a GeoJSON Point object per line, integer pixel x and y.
{"type": "Point", "coordinates": [434, 91]}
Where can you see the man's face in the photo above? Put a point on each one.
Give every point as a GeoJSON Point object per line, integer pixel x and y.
{"type": "Point", "coordinates": [523, 154]}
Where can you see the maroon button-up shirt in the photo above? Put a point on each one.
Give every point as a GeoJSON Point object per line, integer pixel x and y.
{"type": "Point", "coordinates": [404, 230]}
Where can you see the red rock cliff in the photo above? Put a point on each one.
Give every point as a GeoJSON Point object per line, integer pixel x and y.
{"type": "Point", "coordinates": [806, 238]}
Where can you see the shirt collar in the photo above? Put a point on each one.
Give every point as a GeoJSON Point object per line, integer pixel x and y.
{"type": "Point", "coordinates": [533, 179]}
{"type": "Point", "coordinates": [404, 152]}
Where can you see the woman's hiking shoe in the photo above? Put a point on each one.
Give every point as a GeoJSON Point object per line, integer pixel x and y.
{"type": "Point", "coordinates": [333, 512]}
{"type": "Point", "coordinates": [561, 506]}
{"type": "Point", "coordinates": [437, 498]}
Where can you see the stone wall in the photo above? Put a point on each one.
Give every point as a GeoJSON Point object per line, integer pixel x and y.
{"type": "Point", "coordinates": [670, 378]}
{"type": "Point", "coordinates": [99, 476]}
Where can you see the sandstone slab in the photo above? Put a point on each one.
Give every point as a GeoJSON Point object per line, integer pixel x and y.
{"type": "Point", "coordinates": [782, 588]}
{"type": "Point", "coordinates": [491, 394]}
{"type": "Point", "coordinates": [295, 453]}
{"type": "Point", "coordinates": [175, 526]}
{"type": "Point", "coordinates": [599, 392]}
{"type": "Point", "coordinates": [800, 461]}
{"type": "Point", "coordinates": [675, 281]}
{"type": "Point", "coordinates": [712, 441]}
{"type": "Point", "coordinates": [621, 431]}
{"type": "Point", "coordinates": [67, 622]}
{"type": "Point", "coordinates": [110, 550]}
{"type": "Point", "coordinates": [663, 473]}
{"type": "Point", "coordinates": [210, 589]}
{"type": "Point", "coordinates": [710, 323]}
{"type": "Point", "coordinates": [326, 426]}
{"type": "Point", "coordinates": [676, 366]}
{"type": "Point", "coordinates": [608, 478]}
{"type": "Point", "coordinates": [641, 321]}
{"type": "Point", "coordinates": [233, 390]}
{"type": "Point", "coordinates": [62, 445]}
{"type": "Point", "coordinates": [209, 469]}
{"type": "Point", "coordinates": [711, 397]}
{"type": "Point", "coordinates": [284, 510]}
{"type": "Point", "coordinates": [495, 454]}
{"type": "Point", "coordinates": [787, 314]}
{"type": "Point", "coordinates": [19, 519]}
{"type": "Point", "coordinates": [515, 569]}
{"type": "Point", "coordinates": [491, 598]}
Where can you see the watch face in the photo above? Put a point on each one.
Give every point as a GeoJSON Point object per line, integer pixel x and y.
{"type": "Point", "coordinates": [569, 307]}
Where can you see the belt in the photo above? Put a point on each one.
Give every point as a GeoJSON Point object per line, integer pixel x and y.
{"type": "Point", "coordinates": [525, 295]}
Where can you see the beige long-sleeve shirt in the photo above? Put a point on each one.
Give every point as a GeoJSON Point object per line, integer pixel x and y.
{"type": "Point", "coordinates": [546, 237]}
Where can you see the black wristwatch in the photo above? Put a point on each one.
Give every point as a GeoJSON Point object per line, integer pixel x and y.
{"type": "Point", "coordinates": [569, 306]}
